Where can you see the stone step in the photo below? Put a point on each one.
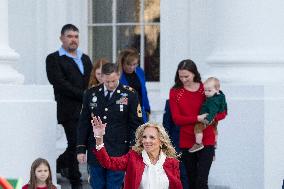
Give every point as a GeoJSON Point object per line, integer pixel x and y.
{"type": "Point", "coordinates": [64, 182]}
{"type": "Point", "coordinates": [218, 187]}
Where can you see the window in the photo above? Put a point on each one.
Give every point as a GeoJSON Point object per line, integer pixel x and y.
{"type": "Point", "coordinates": [118, 24]}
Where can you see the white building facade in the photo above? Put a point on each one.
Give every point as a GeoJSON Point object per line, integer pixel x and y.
{"type": "Point", "coordinates": [240, 42]}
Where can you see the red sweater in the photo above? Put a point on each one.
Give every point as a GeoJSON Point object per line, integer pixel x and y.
{"type": "Point", "coordinates": [26, 186]}
{"type": "Point", "coordinates": [133, 164]}
{"type": "Point", "coordinates": [185, 107]}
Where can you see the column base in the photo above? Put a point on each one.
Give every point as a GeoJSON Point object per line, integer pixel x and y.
{"type": "Point", "coordinates": [28, 129]}
{"type": "Point", "coordinates": [8, 75]}
{"type": "Point", "coordinates": [250, 153]}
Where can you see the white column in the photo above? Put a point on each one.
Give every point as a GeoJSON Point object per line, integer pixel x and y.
{"type": "Point", "coordinates": [8, 57]}
{"type": "Point", "coordinates": [174, 46]}
{"type": "Point", "coordinates": [28, 112]}
{"type": "Point", "coordinates": [249, 43]}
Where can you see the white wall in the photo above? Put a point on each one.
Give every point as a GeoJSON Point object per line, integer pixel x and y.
{"type": "Point", "coordinates": [34, 30]}
{"type": "Point", "coordinates": [240, 153]}
{"type": "Point", "coordinates": [175, 46]}
{"type": "Point", "coordinates": [274, 154]}
{"type": "Point", "coordinates": [28, 129]}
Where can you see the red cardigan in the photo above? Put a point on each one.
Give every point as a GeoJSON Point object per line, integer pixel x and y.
{"type": "Point", "coordinates": [185, 107]}
{"type": "Point", "coordinates": [133, 164]}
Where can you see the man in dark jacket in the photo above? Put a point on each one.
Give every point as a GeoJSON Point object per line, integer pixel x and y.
{"type": "Point", "coordinates": [68, 70]}
{"type": "Point", "coordinates": [118, 106]}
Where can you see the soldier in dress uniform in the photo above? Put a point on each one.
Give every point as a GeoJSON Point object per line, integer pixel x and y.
{"type": "Point", "coordinates": [118, 106]}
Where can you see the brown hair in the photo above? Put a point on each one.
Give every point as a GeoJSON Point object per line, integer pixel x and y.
{"type": "Point", "coordinates": [190, 66]}
{"type": "Point", "coordinates": [33, 179]}
{"type": "Point", "coordinates": [166, 147]}
{"type": "Point", "coordinates": [109, 68]}
{"type": "Point", "coordinates": [127, 56]}
{"type": "Point", "coordinates": [97, 65]}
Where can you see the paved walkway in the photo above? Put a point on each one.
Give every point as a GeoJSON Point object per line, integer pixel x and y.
{"type": "Point", "coordinates": [64, 183]}
{"type": "Point", "coordinates": [60, 147]}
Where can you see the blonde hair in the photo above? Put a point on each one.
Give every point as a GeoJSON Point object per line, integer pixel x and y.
{"type": "Point", "coordinates": [166, 145]}
{"type": "Point", "coordinates": [214, 81]}
{"type": "Point", "coordinates": [126, 56]}
{"type": "Point", "coordinates": [93, 80]}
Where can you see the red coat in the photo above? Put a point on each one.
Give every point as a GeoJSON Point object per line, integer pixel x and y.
{"type": "Point", "coordinates": [133, 164]}
{"type": "Point", "coordinates": [185, 107]}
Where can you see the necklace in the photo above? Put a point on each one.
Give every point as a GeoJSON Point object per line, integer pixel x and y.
{"type": "Point", "coordinates": [154, 160]}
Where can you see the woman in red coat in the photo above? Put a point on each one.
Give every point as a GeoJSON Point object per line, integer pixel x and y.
{"type": "Point", "coordinates": [151, 163]}
{"type": "Point", "coordinates": [186, 98]}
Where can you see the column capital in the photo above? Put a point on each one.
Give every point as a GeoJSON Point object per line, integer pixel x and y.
{"type": "Point", "coordinates": [247, 67]}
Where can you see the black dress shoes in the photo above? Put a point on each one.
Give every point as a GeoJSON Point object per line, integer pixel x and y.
{"type": "Point", "coordinates": [76, 186]}
{"type": "Point", "coordinates": [65, 172]}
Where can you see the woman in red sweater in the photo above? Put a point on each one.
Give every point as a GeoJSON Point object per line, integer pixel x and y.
{"type": "Point", "coordinates": [186, 98]}
{"type": "Point", "coordinates": [151, 163]}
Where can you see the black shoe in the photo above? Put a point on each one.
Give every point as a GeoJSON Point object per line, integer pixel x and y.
{"type": "Point", "coordinates": [60, 164]}
{"type": "Point", "coordinates": [64, 172]}
{"type": "Point", "coordinates": [76, 186]}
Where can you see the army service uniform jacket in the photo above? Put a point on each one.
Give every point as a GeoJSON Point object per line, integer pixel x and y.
{"type": "Point", "coordinates": [122, 114]}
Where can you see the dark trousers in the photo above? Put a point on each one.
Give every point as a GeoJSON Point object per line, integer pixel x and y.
{"type": "Point", "coordinates": [182, 168]}
{"type": "Point", "coordinates": [198, 166]}
{"type": "Point", "coordinates": [183, 175]}
{"type": "Point", "coordinates": [68, 159]}
{"type": "Point", "coordinates": [101, 178]}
